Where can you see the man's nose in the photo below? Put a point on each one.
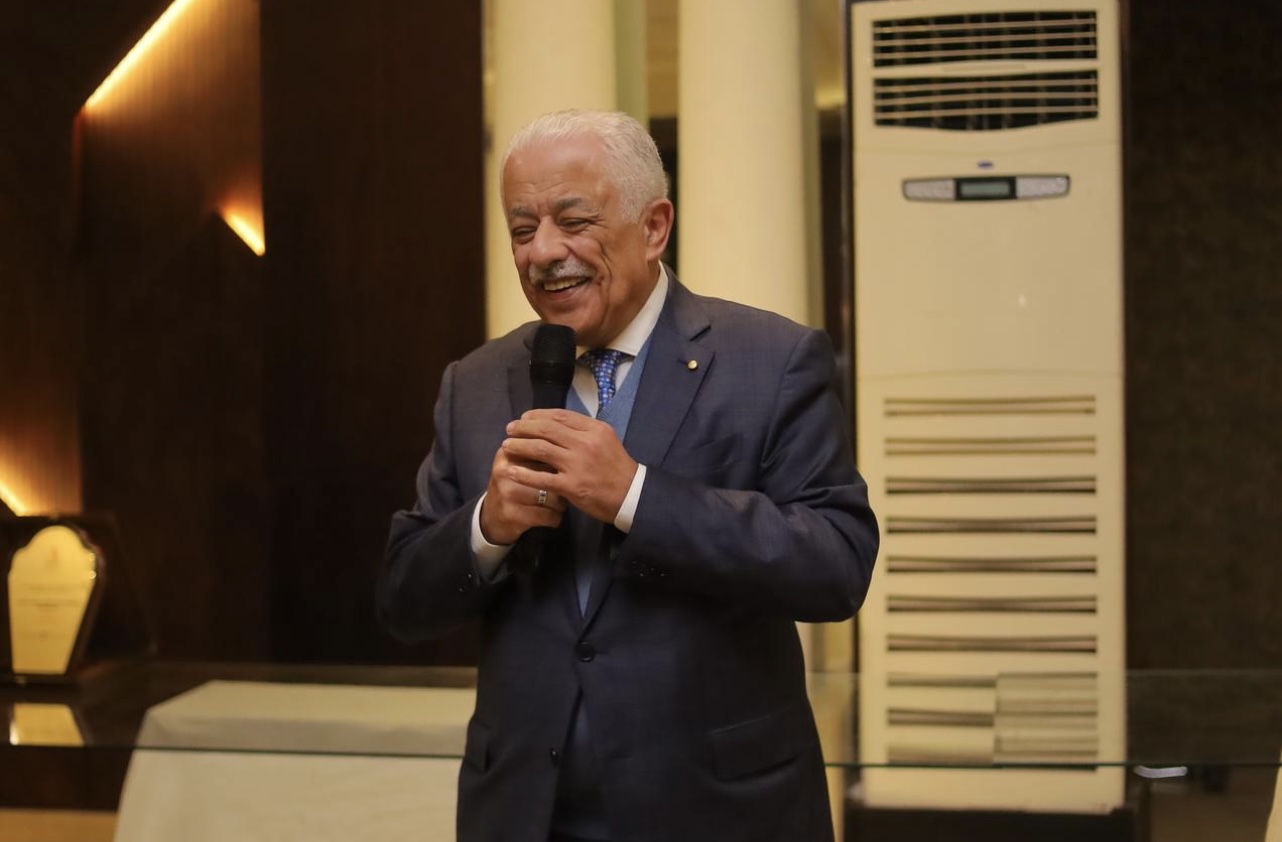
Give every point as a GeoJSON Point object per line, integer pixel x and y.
{"type": "Point", "coordinates": [548, 246]}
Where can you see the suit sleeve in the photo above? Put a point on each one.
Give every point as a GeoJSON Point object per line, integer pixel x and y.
{"type": "Point", "coordinates": [429, 582]}
{"type": "Point", "coordinates": [800, 544]}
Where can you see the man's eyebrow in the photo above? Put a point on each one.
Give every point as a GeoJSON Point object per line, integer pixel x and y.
{"type": "Point", "coordinates": [560, 205]}
{"type": "Point", "coordinates": [567, 203]}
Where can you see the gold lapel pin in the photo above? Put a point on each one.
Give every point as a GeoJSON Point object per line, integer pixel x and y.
{"type": "Point", "coordinates": [692, 365]}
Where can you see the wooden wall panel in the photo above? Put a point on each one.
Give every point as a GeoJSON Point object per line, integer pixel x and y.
{"type": "Point", "coordinates": [173, 434]}
{"type": "Point", "coordinates": [253, 423]}
{"type": "Point", "coordinates": [172, 387]}
{"type": "Point", "coordinates": [171, 135]}
{"type": "Point", "coordinates": [40, 344]}
{"type": "Point", "coordinates": [49, 63]}
{"type": "Point", "coordinates": [1203, 322]}
{"type": "Point", "coordinates": [374, 191]}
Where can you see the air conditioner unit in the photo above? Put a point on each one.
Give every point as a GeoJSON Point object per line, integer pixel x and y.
{"type": "Point", "coordinates": [987, 211]}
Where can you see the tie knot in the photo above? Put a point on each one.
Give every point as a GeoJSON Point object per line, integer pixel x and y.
{"type": "Point", "coordinates": [603, 362]}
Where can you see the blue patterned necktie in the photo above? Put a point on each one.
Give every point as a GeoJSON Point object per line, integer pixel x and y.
{"type": "Point", "coordinates": [603, 362]}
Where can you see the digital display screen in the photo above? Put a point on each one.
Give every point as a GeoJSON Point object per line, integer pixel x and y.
{"type": "Point", "coordinates": [985, 188]}
{"type": "Point", "coordinates": [990, 188]}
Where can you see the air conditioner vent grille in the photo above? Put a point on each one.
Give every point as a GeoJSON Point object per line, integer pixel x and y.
{"type": "Point", "coordinates": [992, 36]}
{"type": "Point", "coordinates": [986, 103]}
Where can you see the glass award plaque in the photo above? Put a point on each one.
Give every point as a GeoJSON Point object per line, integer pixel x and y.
{"type": "Point", "coordinates": [54, 582]}
{"type": "Point", "coordinates": [69, 611]}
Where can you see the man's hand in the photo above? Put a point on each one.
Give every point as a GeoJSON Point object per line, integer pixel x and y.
{"type": "Point", "coordinates": [592, 470]}
{"type": "Point", "coordinates": [510, 508]}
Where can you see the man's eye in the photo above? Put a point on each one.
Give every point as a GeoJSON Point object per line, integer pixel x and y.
{"type": "Point", "coordinates": [574, 224]}
{"type": "Point", "coordinates": [520, 235]}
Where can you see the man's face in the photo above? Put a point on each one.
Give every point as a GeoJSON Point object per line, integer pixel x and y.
{"type": "Point", "coordinates": [582, 262]}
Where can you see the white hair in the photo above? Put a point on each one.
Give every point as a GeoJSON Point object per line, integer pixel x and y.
{"type": "Point", "coordinates": [635, 166]}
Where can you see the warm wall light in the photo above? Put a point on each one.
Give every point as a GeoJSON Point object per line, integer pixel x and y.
{"type": "Point", "coordinates": [178, 123]}
{"type": "Point", "coordinates": [249, 232]}
{"type": "Point", "coordinates": [144, 45]}
{"type": "Point", "coordinates": [12, 500]}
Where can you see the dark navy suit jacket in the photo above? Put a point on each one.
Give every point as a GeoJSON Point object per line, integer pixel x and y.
{"type": "Point", "coordinates": [752, 517]}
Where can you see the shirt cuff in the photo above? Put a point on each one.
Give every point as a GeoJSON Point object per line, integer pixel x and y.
{"type": "Point", "coordinates": [627, 511]}
{"type": "Point", "coordinates": [488, 556]}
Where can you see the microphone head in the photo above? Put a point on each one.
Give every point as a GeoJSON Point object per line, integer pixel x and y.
{"type": "Point", "coordinates": [552, 365]}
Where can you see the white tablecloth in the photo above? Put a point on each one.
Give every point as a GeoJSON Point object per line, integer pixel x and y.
{"type": "Point", "coordinates": [281, 762]}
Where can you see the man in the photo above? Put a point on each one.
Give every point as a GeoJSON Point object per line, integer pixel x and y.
{"type": "Point", "coordinates": [644, 681]}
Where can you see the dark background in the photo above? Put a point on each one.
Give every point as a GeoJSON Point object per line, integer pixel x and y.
{"type": "Point", "coordinates": [252, 422]}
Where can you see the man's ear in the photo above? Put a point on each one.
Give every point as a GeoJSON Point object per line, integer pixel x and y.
{"type": "Point", "coordinates": [657, 219]}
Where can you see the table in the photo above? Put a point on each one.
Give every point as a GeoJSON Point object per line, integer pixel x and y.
{"type": "Point", "coordinates": [239, 747]}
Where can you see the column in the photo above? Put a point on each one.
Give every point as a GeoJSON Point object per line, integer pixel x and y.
{"type": "Point", "coordinates": [631, 59]}
{"type": "Point", "coordinates": [742, 215]}
{"type": "Point", "coordinates": [544, 56]}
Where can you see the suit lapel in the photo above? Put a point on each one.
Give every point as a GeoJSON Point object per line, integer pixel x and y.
{"type": "Point", "coordinates": [669, 383]}
{"type": "Point", "coordinates": [664, 397]}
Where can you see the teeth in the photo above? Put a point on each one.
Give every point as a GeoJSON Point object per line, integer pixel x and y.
{"type": "Point", "coordinates": [558, 284]}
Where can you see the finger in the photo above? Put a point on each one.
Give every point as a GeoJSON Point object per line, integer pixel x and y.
{"type": "Point", "coordinates": [510, 508]}
{"type": "Point", "coordinates": [534, 453]}
{"type": "Point", "coordinates": [566, 417]}
{"type": "Point", "coordinates": [520, 498]}
{"type": "Point", "coordinates": [556, 425]}
{"type": "Point", "coordinates": [533, 481]}
{"type": "Point", "coordinates": [505, 516]}
{"type": "Point", "coordinates": [548, 499]}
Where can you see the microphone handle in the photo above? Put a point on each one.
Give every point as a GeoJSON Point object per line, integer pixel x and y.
{"type": "Point", "coordinates": [551, 373]}
{"type": "Point", "coordinates": [527, 555]}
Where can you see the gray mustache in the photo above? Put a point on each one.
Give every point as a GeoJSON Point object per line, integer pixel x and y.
{"type": "Point", "coordinates": [561, 269]}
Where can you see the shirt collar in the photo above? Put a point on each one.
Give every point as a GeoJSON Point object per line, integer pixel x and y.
{"type": "Point", "coordinates": [633, 337]}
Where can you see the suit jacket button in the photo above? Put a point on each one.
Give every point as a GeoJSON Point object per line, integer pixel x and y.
{"type": "Point", "coordinates": [585, 651]}
{"type": "Point", "coordinates": [554, 756]}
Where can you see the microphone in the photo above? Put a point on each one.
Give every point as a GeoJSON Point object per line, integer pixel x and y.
{"type": "Point", "coordinates": [552, 365]}
{"type": "Point", "coordinates": [551, 373]}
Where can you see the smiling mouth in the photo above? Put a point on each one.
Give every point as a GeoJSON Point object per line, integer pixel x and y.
{"type": "Point", "coordinates": [562, 284]}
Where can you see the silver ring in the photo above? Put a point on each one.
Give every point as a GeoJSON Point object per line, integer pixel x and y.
{"type": "Point", "coordinates": [543, 497]}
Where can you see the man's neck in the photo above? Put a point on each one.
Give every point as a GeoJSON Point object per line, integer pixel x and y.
{"type": "Point", "coordinates": [631, 338]}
